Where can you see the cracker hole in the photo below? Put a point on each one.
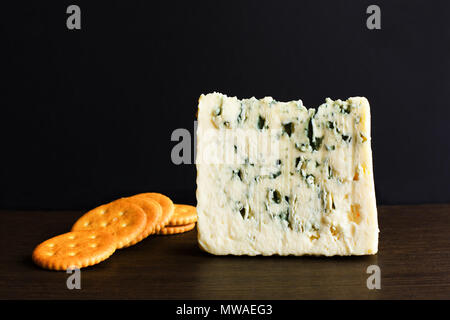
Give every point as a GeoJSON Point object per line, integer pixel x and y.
{"type": "Point", "coordinates": [50, 254]}
{"type": "Point", "coordinates": [93, 237]}
{"type": "Point", "coordinates": [51, 245]}
{"type": "Point", "coordinates": [93, 245]}
{"type": "Point", "coordinates": [87, 224]}
{"type": "Point", "coordinates": [104, 224]}
{"type": "Point", "coordinates": [120, 213]}
{"type": "Point", "coordinates": [71, 237]}
{"type": "Point", "coordinates": [71, 254]}
{"type": "Point", "coordinates": [72, 245]}
{"type": "Point", "coordinates": [124, 225]}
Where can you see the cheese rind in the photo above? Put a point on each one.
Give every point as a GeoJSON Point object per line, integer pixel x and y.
{"type": "Point", "coordinates": [278, 178]}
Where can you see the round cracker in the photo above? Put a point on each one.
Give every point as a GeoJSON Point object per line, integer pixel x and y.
{"type": "Point", "coordinates": [120, 218]}
{"type": "Point", "coordinates": [153, 210]}
{"type": "Point", "coordinates": [76, 249]}
{"type": "Point", "coordinates": [177, 229]}
{"type": "Point", "coordinates": [183, 214]}
{"type": "Point", "coordinates": [166, 205]}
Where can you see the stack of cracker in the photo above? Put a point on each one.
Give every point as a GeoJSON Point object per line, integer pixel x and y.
{"type": "Point", "coordinates": [115, 225]}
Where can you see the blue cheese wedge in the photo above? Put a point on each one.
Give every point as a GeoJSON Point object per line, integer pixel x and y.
{"type": "Point", "coordinates": [278, 178]}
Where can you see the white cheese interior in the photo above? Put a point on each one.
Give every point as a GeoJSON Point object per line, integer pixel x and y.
{"type": "Point", "coordinates": [277, 178]}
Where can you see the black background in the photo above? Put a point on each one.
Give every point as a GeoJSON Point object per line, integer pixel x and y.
{"type": "Point", "coordinates": [87, 115]}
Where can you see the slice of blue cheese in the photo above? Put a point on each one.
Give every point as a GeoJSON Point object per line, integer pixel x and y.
{"type": "Point", "coordinates": [278, 178]}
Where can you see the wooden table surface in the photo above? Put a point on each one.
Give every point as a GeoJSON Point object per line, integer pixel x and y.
{"type": "Point", "coordinates": [414, 258]}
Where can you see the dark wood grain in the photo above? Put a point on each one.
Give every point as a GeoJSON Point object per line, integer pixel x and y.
{"type": "Point", "coordinates": [414, 257]}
